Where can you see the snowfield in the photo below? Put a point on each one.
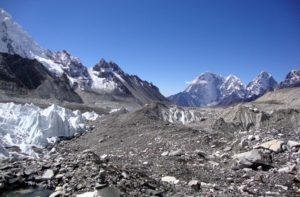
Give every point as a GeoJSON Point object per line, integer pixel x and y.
{"type": "Point", "coordinates": [28, 125]}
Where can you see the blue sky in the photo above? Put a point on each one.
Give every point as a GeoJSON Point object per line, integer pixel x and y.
{"type": "Point", "coordinates": [169, 42]}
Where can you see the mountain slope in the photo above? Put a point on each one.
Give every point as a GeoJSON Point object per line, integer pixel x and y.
{"type": "Point", "coordinates": [214, 90]}
{"type": "Point", "coordinates": [208, 83]}
{"type": "Point", "coordinates": [113, 79]}
{"type": "Point", "coordinates": [291, 80]}
{"type": "Point", "coordinates": [264, 82]}
{"type": "Point", "coordinates": [210, 89]}
{"type": "Point", "coordinates": [202, 91]}
{"type": "Point", "coordinates": [232, 90]}
{"type": "Point", "coordinates": [283, 97]}
{"type": "Point", "coordinates": [25, 77]}
{"type": "Point", "coordinates": [104, 79]}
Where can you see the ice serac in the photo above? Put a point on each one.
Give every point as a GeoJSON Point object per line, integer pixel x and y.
{"type": "Point", "coordinates": [264, 82]}
{"type": "Point", "coordinates": [291, 80]}
{"type": "Point", "coordinates": [27, 125]}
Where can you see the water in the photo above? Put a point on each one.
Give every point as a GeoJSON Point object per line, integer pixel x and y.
{"type": "Point", "coordinates": [29, 192]}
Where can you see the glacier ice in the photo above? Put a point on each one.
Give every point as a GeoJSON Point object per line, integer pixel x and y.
{"type": "Point", "coordinates": [180, 115]}
{"type": "Point", "coordinates": [90, 115]}
{"type": "Point", "coordinates": [28, 125]}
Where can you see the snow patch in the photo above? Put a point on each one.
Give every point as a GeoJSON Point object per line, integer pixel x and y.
{"type": "Point", "coordinates": [50, 65]}
{"type": "Point", "coordinates": [115, 110]}
{"type": "Point", "coordinates": [104, 84]}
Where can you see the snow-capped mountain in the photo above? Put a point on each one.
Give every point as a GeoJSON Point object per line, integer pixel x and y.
{"type": "Point", "coordinates": [291, 80]}
{"type": "Point", "coordinates": [202, 91]}
{"type": "Point", "coordinates": [110, 78]}
{"type": "Point", "coordinates": [26, 78]}
{"type": "Point", "coordinates": [14, 40]}
{"type": "Point", "coordinates": [232, 90]}
{"type": "Point", "coordinates": [104, 78]}
{"type": "Point", "coordinates": [263, 83]}
{"type": "Point", "coordinates": [210, 89]}
{"type": "Point", "coordinates": [232, 86]}
{"type": "Point", "coordinates": [72, 66]}
{"type": "Point", "coordinates": [206, 87]}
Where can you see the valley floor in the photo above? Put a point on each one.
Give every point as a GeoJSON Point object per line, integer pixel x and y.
{"type": "Point", "coordinates": [250, 149]}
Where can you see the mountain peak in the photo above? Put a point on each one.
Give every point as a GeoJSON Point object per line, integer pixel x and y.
{"type": "Point", "coordinates": [64, 57]}
{"type": "Point", "coordinates": [263, 83]}
{"type": "Point", "coordinates": [264, 74]}
{"type": "Point", "coordinates": [211, 89]}
{"type": "Point", "coordinates": [292, 79]}
{"type": "Point", "coordinates": [232, 86]}
{"type": "Point", "coordinates": [102, 77]}
{"type": "Point", "coordinates": [4, 14]}
{"type": "Point", "coordinates": [204, 78]}
{"type": "Point", "coordinates": [14, 40]}
{"type": "Point", "coordinates": [107, 67]}
{"type": "Point", "coordinates": [232, 78]}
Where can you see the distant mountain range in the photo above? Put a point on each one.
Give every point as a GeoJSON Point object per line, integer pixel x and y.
{"type": "Point", "coordinates": [105, 81]}
{"type": "Point", "coordinates": [28, 70]}
{"type": "Point", "coordinates": [210, 89]}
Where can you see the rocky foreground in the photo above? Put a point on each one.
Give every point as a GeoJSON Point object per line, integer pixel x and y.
{"type": "Point", "coordinates": [271, 168]}
{"type": "Point", "coordinates": [246, 150]}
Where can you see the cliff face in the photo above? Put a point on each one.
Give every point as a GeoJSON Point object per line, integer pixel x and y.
{"type": "Point", "coordinates": [25, 77]}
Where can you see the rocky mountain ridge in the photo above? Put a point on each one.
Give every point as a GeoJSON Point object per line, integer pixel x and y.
{"type": "Point", "coordinates": [106, 78]}
{"type": "Point", "coordinates": [210, 89]}
{"type": "Point", "coordinates": [21, 77]}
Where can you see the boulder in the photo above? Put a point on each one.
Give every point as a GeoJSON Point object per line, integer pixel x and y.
{"type": "Point", "coordinates": [250, 158]}
{"type": "Point", "coordinates": [178, 152]}
{"type": "Point", "coordinates": [170, 179]}
{"type": "Point", "coordinates": [48, 174]}
{"type": "Point", "coordinates": [165, 153]}
{"type": "Point", "coordinates": [292, 144]}
{"type": "Point", "coordinates": [287, 169]}
{"type": "Point", "coordinates": [195, 184]}
{"type": "Point", "coordinates": [273, 145]}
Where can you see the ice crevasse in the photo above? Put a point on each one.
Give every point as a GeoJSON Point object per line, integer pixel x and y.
{"type": "Point", "coordinates": [28, 125]}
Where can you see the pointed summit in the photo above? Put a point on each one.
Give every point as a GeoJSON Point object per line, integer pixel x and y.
{"type": "Point", "coordinates": [233, 86]}
{"type": "Point", "coordinates": [263, 83]}
{"type": "Point", "coordinates": [205, 87]}
{"type": "Point", "coordinates": [14, 40]}
{"type": "Point", "coordinates": [105, 67]}
{"type": "Point", "coordinates": [292, 79]}
{"type": "Point", "coordinates": [205, 80]}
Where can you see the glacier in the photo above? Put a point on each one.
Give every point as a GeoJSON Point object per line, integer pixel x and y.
{"type": "Point", "coordinates": [26, 126]}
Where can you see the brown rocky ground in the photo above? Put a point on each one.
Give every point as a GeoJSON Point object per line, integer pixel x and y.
{"type": "Point", "coordinates": [222, 153]}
